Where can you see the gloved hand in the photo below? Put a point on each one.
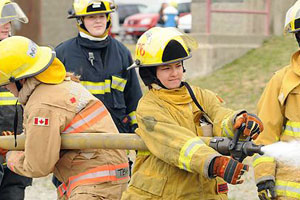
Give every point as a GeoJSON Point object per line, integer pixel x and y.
{"type": "Point", "coordinates": [229, 169]}
{"type": "Point", "coordinates": [266, 190]}
{"type": "Point", "coordinates": [7, 133]}
{"type": "Point", "coordinates": [253, 125]}
{"type": "Point", "coordinates": [4, 151]}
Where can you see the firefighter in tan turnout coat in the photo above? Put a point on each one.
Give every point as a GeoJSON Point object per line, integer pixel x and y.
{"type": "Point", "coordinates": [54, 105]}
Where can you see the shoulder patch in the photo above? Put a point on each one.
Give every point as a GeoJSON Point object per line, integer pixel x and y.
{"type": "Point", "coordinates": [40, 121]}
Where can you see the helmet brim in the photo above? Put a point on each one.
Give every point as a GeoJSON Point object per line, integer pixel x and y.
{"type": "Point", "coordinates": [136, 65]}
{"type": "Point", "coordinates": [45, 60]}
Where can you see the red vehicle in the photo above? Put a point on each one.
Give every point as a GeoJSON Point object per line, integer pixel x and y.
{"type": "Point", "coordinates": [136, 25]}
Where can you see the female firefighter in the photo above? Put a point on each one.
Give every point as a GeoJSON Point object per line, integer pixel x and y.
{"type": "Point", "coordinates": [179, 165]}
{"type": "Point", "coordinates": [54, 105]}
{"type": "Point", "coordinates": [13, 185]}
{"type": "Point", "coordinates": [279, 110]}
{"type": "Point", "coordinates": [101, 61]}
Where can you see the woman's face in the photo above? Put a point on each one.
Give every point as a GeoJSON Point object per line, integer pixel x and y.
{"type": "Point", "coordinates": [5, 30]}
{"type": "Point", "coordinates": [170, 75]}
{"type": "Point", "coordinates": [95, 24]}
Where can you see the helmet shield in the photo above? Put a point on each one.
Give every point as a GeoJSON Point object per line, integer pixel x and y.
{"type": "Point", "coordinates": [160, 46]}
{"type": "Point", "coordinates": [292, 19]}
{"type": "Point", "coordinates": [10, 12]}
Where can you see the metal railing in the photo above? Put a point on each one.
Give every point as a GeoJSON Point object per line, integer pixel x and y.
{"type": "Point", "coordinates": [266, 12]}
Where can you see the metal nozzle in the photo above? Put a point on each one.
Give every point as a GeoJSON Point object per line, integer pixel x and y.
{"type": "Point", "coordinates": [250, 149]}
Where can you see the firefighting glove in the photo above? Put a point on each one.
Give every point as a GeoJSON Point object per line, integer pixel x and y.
{"type": "Point", "coordinates": [228, 169]}
{"type": "Point", "coordinates": [4, 151]}
{"type": "Point", "coordinates": [253, 125]}
{"type": "Point", "coordinates": [266, 190]}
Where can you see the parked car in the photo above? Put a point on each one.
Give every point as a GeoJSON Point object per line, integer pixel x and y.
{"type": "Point", "coordinates": [126, 9]}
{"type": "Point", "coordinates": [123, 10]}
{"type": "Point", "coordinates": [136, 25]}
{"type": "Point", "coordinates": [185, 23]}
{"type": "Point", "coordinates": [184, 7]}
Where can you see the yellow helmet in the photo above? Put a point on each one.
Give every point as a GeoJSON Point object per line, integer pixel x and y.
{"type": "Point", "coordinates": [91, 7]}
{"type": "Point", "coordinates": [292, 19]}
{"type": "Point", "coordinates": [160, 46]}
{"type": "Point", "coordinates": [21, 58]}
{"type": "Point", "coordinates": [10, 11]}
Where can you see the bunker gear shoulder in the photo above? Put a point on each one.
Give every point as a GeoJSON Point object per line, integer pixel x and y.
{"type": "Point", "coordinates": [277, 108]}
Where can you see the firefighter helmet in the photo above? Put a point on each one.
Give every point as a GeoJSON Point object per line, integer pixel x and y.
{"type": "Point", "coordinates": [10, 11]}
{"type": "Point", "coordinates": [292, 19]}
{"type": "Point", "coordinates": [160, 46]}
{"type": "Point", "coordinates": [21, 58]}
{"type": "Point", "coordinates": [91, 7]}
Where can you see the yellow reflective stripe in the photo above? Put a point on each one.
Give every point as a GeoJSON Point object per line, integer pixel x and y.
{"type": "Point", "coordinates": [143, 153]}
{"type": "Point", "coordinates": [292, 129]}
{"type": "Point", "coordinates": [118, 83]}
{"type": "Point", "coordinates": [187, 152]}
{"type": "Point", "coordinates": [7, 98]}
{"type": "Point", "coordinates": [260, 159]}
{"type": "Point", "coordinates": [288, 189]}
{"type": "Point", "coordinates": [132, 116]}
{"type": "Point", "coordinates": [97, 87]}
{"type": "Point", "coordinates": [226, 131]}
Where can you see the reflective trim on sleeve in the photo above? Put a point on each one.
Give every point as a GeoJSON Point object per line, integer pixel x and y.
{"type": "Point", "coordinates": [260, 159]}
{"type": "Point", "coordinates": [132, 116]}
{"type": "Point", "coordinates": [118, 83]}
{"type": "Point", "coordinates": [226, 131]}
{"type": "Point", "coordinates": [292, 129]}
{"type": "Point", "coordinates": [288, 189]}
{"type": "Point", "coordinates": [97, 87]}
{"type": "Point", "coordinates": [7, 99]}
{"type": "Point", "coordinates": [143, 153]}
{"type": "Point", "coordinates": [187, 152]}
{"type": "Point", "coordinates": [86, 118]}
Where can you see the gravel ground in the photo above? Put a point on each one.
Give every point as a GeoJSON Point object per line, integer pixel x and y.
{"type": "Point", "coordinates": [43, 189]}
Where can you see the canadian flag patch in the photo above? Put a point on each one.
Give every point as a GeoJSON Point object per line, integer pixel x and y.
{"type": "Point", "coordinates": [40, 121]}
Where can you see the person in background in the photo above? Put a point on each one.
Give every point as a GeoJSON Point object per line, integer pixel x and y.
{"type": "Point", "coordinates": [13, 185]}
{"type": "Point", "coordinates": [278, 108]}
{"type": "Point", "coordinates": [161, 22]}
{"type": "Point", "coordinates": [170, 15]}
{"type": "Point", "coordinates": [171, 116]}
{"type": "Point", "coordinates": [55, 103]}
{"type": "Point", "coordinates": [101, 62]}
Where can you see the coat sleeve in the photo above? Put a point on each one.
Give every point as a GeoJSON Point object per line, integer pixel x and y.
{"type": "Point", "coordinates": [270, 111]}
{"type": "Point", "coordinates": [170, 142]}
{"type": "Point", "coordinates": [221, 116]}
{"type": "Point", "coordinates": [42, 145]}
{"type": "Point", "coordinates": [132, 93]}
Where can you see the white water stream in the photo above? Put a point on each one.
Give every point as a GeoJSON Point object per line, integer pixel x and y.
{"type": "Point", "coordinates": [287, 152]}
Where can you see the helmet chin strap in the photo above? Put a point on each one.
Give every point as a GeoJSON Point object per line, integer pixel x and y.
{"type": "Point", "coordinates": [18, 85]}
{"type": "Point", "coordinates": [16, 118]}
{"type": "Point", "coordinates": [297, 36]}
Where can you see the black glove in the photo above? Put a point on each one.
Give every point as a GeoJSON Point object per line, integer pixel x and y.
{"type": "Point", "coordinates": [266, 190]}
